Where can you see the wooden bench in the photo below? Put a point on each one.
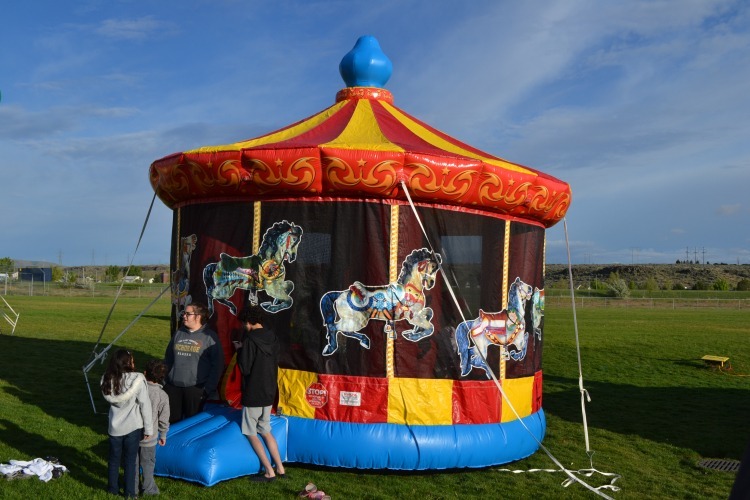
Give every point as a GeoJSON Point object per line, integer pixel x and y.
{"type": "Point", "coordinates": [715, 361]}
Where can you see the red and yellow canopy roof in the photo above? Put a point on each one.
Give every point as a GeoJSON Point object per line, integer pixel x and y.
{"type": "Point", "coordinates": [363, 146]}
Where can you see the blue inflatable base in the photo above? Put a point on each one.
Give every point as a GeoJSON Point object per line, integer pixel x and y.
{"type": "Point", "coordinates": [415, 447]}
{"type": "Point", "coordinates": [210, 447]}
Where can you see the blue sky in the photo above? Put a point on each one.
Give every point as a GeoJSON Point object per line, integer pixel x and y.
{"type": "Point", "coordinates": [642, 106]}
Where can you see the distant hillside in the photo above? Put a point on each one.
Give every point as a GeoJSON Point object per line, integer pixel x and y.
{"type": "Point", "coordinates": [666, 275]}
{"type": "Point", "coordinates": [33, 263]}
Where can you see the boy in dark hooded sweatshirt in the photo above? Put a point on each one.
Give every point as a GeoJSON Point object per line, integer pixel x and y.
{"type": "Point", "coordinates": [258, 359]}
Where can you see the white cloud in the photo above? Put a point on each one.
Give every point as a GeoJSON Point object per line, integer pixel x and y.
{"type": "Point", "coordinates": [130, 29]}
{"type": "Point", "coordinates": [642, 106]}
{"type": "Point", "coordinates": [728, 209]}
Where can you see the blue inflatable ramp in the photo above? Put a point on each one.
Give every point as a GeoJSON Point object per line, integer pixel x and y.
{"type": "Point", "coordinates": [210, 447]}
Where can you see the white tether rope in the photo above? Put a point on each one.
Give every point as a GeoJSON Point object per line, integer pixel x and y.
{"type": "Point", "coordinates": [584, 393]}
{"type": "Point", "coordinates": [101, 356]}
{"type": "Point", "coordinates": [94, 354]}
{"type": "Point", "coordinates": [571, 474]}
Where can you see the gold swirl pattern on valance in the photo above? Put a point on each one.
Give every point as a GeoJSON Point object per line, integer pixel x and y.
{"type": "Point", "coordinates": [362, 146]}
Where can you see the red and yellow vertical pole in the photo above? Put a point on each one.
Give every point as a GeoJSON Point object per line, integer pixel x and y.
{"type": "Point", "coordinates": [504, 289]}
{"type": "Point", "coordinates": [393, 268]}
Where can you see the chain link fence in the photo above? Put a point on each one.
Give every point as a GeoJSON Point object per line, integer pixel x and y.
{"type": "Point", "coordinates": [647, 303]}
{"type": "Point", "coordinates": [152, 290]}
{"type": "Point", "coordinates": [40, 288]}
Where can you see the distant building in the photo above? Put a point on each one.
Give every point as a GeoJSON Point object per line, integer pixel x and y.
{"type": "Point", "coordinates": [35, 274]}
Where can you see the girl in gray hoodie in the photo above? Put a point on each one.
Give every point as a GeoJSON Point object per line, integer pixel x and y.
{"type": "Point", "coordinates": [129, 418]}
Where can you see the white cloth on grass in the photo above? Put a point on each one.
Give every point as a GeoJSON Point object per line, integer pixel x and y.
{"type": "Point", "coordinates": [37, 467]}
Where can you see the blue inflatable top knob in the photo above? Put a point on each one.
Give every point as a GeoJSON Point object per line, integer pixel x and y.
{"type": "Point", "coordinates": [366, 65]}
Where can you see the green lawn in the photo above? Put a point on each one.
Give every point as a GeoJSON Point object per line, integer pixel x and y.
{"type": "Point", "coordinates": [655, 409]}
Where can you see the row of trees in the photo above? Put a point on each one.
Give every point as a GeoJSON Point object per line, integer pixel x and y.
{"type": "Point", "coordinates": [6, 265]}
{"type": "Point", "coordinates": [697, 262]}
{"type": "Point", "coordinates": [619, 288]}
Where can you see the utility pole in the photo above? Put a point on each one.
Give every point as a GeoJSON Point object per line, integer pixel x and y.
{"type": "Point", "coordinates": [633, 252]}
{"type": "Point", "coordinates": [687, 254]}
{"type": "Point", "coordinates": [704, 256]}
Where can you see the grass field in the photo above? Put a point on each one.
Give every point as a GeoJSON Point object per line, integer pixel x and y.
{"type": "Point", "coordinates": [655, 410]}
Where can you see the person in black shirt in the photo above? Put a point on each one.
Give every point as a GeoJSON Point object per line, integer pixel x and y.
{"type": "Point", "coordinates": [258, 359]}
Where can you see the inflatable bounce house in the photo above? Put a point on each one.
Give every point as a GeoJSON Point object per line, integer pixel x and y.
{"type": "Point", "coordinates": [402, 269]}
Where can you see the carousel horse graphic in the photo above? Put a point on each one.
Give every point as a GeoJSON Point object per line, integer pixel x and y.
{"type": "Point", "coordinates": [262, 271]}
{"type": "Point", "coordinates": [537, 311]}
{"type": "Point", "coordinates": [350, 310]}
{"type": "Point", "coordinates": [181, 275]}
{"type": "Point", "coordinates": [506, 328]}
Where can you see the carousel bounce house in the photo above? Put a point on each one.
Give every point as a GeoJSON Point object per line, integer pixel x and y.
{"type": "Point", "coordinates": [402, 270]}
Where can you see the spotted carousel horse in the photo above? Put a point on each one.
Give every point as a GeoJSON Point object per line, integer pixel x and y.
{"type": "Point", "coordinates": [504, 328]}
{"type": "Point", "coordinates": [262, 271]}
{"type": "Point", "coordinates": [348, 311]}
